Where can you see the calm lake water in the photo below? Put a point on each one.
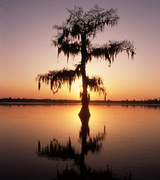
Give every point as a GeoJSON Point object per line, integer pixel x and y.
{"type": "Point", "coordinates": [131, 143]}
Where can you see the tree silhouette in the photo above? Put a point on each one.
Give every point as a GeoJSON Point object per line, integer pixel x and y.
{"type": "Point", "coordinates": [74, 38]}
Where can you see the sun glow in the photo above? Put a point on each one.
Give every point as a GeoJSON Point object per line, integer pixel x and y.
{"type": "Point", "coordinates": [79, 90]}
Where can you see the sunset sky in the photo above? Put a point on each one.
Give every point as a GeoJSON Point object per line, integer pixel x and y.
{"type": "Point", "coordinates": [25, 48]}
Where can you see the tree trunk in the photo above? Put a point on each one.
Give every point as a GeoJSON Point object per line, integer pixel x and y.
{"type": "Point", "coordinates": [85, 99]}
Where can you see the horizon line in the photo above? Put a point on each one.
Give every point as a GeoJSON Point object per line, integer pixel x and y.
{"type": "Point", "coordinates": [49, 99]}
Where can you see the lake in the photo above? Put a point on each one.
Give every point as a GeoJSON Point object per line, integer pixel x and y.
{"type": "Point", "coordinates": [128, 141]}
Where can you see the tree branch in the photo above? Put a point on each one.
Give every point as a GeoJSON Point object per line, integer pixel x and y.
{"type": "Point", "coordinates": [57, 78]}
{"type": "Point", "coordinates": [112, 49]}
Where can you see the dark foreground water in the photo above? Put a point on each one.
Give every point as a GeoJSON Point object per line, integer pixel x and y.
{"type": "Point", "coordinates": [131, 142]}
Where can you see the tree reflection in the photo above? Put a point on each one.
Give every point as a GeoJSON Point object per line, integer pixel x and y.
{"type": "Point", "coordinates": [89, 143]}
{"type": "Point", "coordinates": [67, 151]}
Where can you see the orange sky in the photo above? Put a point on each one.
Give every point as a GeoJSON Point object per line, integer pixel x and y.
{"type": "Point", "coordinates": [25, 48]}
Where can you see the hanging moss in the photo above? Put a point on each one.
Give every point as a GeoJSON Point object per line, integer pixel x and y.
{"type": "Point", "coordinates": [58, 78]}
{"type": "Point", "coordinates": [96, 85]}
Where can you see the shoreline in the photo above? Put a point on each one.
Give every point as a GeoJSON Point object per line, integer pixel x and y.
{"type": "Point", "coordinates": [107, 103]}
{"type": "Point", "coordinates": [48, 102]}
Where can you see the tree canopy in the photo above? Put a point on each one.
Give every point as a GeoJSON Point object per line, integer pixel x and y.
{"type": "Point", "coordinates": [74, 37]}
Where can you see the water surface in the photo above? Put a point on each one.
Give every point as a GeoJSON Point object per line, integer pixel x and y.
{"type": "Point", "coordinates": [131, 143]}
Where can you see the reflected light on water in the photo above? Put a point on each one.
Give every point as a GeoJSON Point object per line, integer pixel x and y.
{"type": "Point", "coordinates": [132, 141]}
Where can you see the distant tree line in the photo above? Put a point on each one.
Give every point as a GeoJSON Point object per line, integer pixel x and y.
{"type": "Point", "coordinates": [25, 100]}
